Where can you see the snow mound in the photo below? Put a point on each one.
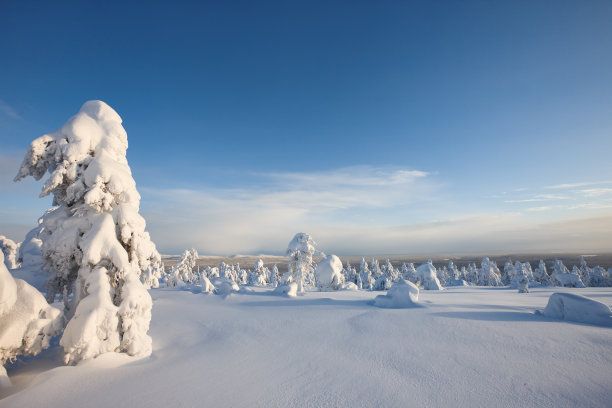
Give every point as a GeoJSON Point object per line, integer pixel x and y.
{"type": "Point", "coordinates": [329, 273]}
{"type": "Point", "coordinates": [349, 286]}
{"type": "Point", "coordinates": [288, 289]}
{"type": "Point", "coordinates": [224, 287]}
{"type": "Point", "coordinates": [403, 294]}
{"type": "Point", "coordinates": [576, 308]}
{"type": "Point", "coordinates": [457, 282]}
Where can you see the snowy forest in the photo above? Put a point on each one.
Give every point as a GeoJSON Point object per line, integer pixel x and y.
{"type": "Point", "coordinates": [86, 279]}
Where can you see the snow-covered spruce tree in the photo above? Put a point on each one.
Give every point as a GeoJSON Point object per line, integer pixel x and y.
{"type": "Point", "coordinates": [600, 277]}
{"type": "Point", "coordinates": [509, 272]}
{"type": "Point", "coordinates": [585, 272]}
{"type": "Point", "coordinates": [274, 276]}
{"type": "Point", "coordinates": [489, 274]}
{"type": "Point", "coordinates": [260, 274]}
{"type": "Point", "coordinates": [186, 266]}
{"type": "Point", "coordinates": [391, 272]}
{"type": "Point", "coordinates": [443, 275]}
{"type": "Point", "coordinates": [427, 276]}
{"type": "Point", "coordinates": [409, 272]}
{"type": "Point", "coordinates": [27, 322]}
{"type": "Point", "coordinates": [472, 274]}
{"type": "Point", "coordinates": [300, 252]}
{"type": "Point", "coordinates": [94, 242]}
{"type": "Point", "coordinates": [9, 248]}
{"type": "Point", "coordinates": [367, 281]}
{"type": "Point", "coordinates": [453, 272]}
{"type": "Point", "coordinates": [540, 274]}
{"type": "Point", "coordinates": [561, 276]}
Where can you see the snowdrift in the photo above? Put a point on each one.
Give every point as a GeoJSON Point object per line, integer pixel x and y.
{"type": "Point", "coordinates": [403, 294]}
{"type": "Point", "coordinates": [576, 308]}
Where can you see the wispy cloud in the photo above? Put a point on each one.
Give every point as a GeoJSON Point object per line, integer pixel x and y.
{"type": "Point", "coordinates": [537, 209]}
{"type": "Point", "coordinates": [596, 192]}
{"type": "Point", "coordinates": [576, 185]}
{"type": "Point", "coordinates": [539, 197]}
{"type": "Point", "coordinates": [8, 110]}
{"type": "Point", "coordinates": [591, 206]}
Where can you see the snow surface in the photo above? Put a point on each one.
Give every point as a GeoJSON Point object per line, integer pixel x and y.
{"type": "Point", "coordinates": [468, 347]}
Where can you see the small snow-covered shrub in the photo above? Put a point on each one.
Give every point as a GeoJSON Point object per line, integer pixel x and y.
{"type": "Point", "coordinates": [9, 248]}
{"type": "Point", "coordinates": [27, 322]}
{"type": "Point", "coordinates": [287, 289]}
{"type": "Point", "coordinates": [349, 286]}
{"type": "Point", "coordinates": [224, 286]}
{"type": "Point", "coordinates": [568, 306]}
{"type": "Point", "coordinates": [427, 276]}
{"type": "Point", "coordinates": [403, 294]}
{"type": "Point", "coordinates": [329, 273]}
{"type": "Point", "coordinates": [94, 243]}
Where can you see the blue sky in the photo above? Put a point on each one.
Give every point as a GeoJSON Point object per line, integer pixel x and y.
{"type": "Point", "coordinates": [387, 127]}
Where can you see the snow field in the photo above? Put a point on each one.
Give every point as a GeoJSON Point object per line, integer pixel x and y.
{"type": "Point", "coordinates": [467, 347]}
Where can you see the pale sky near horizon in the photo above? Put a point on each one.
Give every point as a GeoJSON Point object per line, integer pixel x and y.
{"type": "Point", "coordinates": [394, 127]}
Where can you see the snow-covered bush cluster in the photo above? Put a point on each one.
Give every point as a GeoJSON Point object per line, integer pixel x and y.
{"type": "Point", "coordinates": [27, 322]}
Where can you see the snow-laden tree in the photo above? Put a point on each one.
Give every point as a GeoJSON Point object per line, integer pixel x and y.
{"type": "Point", "coordinates": [365, 275]}
{"type": "Point", "coordinates": [300, 251]}
{"type": "Point", "coordinates": [9, 248]}
{"type": "Point", "coordinates": [489, 274]}
{"type": "Point", "coordinates": [375, 269]}
{"type": "Point", "coordinates": [427, 276]}
{"type": "Point", "coordinates": [600, 277]}
{"type": "Point", "coordinates": [260, 275]}
{"type": "Point", "coordinates": [472, 274]}
{"type": "Point", "coordinates": [409, 272]}
{"type": "Point", "coordinates": [94, 243]}
{"type": "Point", "coordinates": [185, 268]}
{"type": "Point", "coordinates": [329, 273]}
{"type": "Point", "coordinates": [540, 274]}
{"type": "Point", "coordinates": [561, 276]}
{"type": "Point", "coordinates": [509, 272]}
{"type": "Point", "coordinates": [585, 272]}
{"type": "Point", "coordinates": [453, 271]}
{"type": "Point", "coordinates": [444, 275]}
{"type": "Point", "coordinates": [27, 322]}
{"type": "Point", "coordinates": [391, 272]}
{"type": "Point", "coordinates": [274, 276]}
